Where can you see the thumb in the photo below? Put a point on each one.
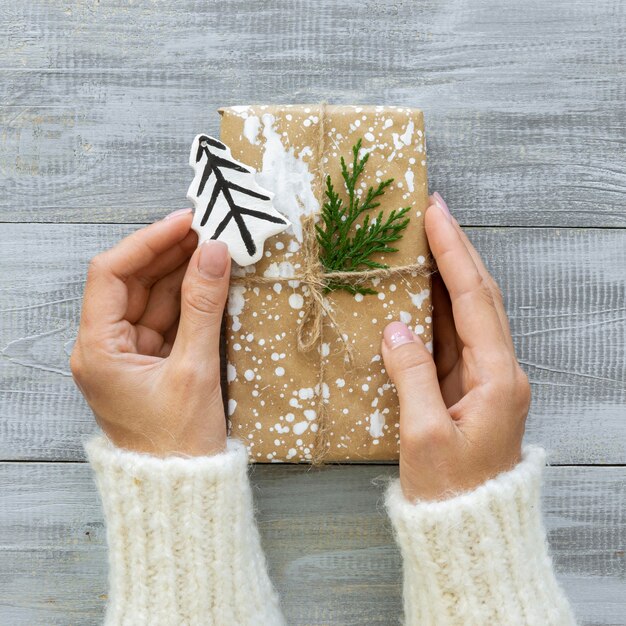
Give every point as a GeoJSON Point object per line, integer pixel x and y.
{"type": "Point", "coordinates": [412, 370]}
{"type": "Point", "coordinates": [203, 297]}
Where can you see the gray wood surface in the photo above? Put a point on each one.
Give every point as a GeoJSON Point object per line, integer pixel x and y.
{"type": "Point", "coordinates": [565, 296]}
{"type": "Point", "coordinates": [524, 101]}
{"type": "Point", "coordinates": [525, 107]}
{"type": "Point", "coordinates": [328, 542]}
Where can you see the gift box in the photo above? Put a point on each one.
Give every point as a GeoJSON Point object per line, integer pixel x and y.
{"type": "Point", "coordinates": [306, 380]}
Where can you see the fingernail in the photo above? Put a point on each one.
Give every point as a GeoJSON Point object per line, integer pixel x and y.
{"type": "Point", "coordinates": [397, 334]}
{"type": "Point", "coordinates": [441, 203]}
{"type": "Point", "coordinates": [177, 213]}
{"type": "Point", "coordinates": [213, 258]}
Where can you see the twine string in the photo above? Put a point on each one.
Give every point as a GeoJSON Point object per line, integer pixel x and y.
{"type": "Point", "coordinates": [316, 306]}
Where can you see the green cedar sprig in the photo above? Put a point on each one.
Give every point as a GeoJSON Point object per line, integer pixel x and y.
{"type": "Point", "coordinates": [345, 249]}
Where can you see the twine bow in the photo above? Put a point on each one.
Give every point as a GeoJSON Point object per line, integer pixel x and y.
{"type": "Point", "coordinates": [316, 307]}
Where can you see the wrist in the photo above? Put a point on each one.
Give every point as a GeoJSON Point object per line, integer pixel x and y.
{"type": "Point", "coordinates": [196, 445]}
{"type": "Point", "coordinates": [440, 480]}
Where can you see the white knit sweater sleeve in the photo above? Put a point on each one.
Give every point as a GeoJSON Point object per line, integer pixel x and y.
{"type": "Point", "coordinates": [183, 544]}
{"type": "Point", "coordinates": [480, 557]}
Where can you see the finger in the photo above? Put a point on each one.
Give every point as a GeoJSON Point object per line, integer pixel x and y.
{"type": "Point", "coordinates": [169, 337]}
{"type": "Point", "coordinates": [412, 370]}
{"type": "Point", "coordinates": [141, 285]}
{"type": "Point", "coordinates": [168, 261]}
{"type": "Point", "coordinates": [163, 307]}
{"type": "Point", "coordinates": [144, 247]}
{"type": "Point", "coordinates": [486, 276]}
{"type": "Point", "coordinates": [203, 296]}
{"type": "Point", "coordinates": [106, 297]}
{"type": "Point", "coordinates": [445, 340]}
{"type": "Point", "coordinates": [475, 316]}
{"type": "Point", "coordinates": [491, 283]}
{"type": "Point", "coordinates": [149, 342]}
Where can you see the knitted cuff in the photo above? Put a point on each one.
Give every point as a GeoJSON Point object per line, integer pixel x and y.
{"type": "Point", "coordinates": [480, 557]}
{"type": "Point", "coordinates": [183, 544]}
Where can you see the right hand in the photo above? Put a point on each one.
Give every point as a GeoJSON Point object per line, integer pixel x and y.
{"type": "Point", "coordinates": [147, 353]}
{"type": "Point", "coordinates": [462, 414]}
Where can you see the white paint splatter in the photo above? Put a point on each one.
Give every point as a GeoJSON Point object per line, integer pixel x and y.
{"type": "Point", "coordinates": [288, 177]}
{"type": "Point", "coordinates": [232, 405]}
{"type": "Point", "coordinates": [409, 176]}
{"type": "Point", "coordinates": [377, 422]}
{"type": "Point", "coordinates": [306, 393]}
{"type": "Point", "coordinates": [300, 427]}
{"type": "Point", "coordinates": [251, 128]}
{"type": "Point", "coordinates": [249, 375]}
{"type": "Point", "coordinates": [407, 137]}
{"type": "Point", "coordinates": [296, 301]}
{"type": "Point", "coordinates": [418, 298]}
{"type": "Point", "coordinates": [310, 414]}
{"type": "Point", "coordinates": [284, 269]}
{"type": "Point", "coordinates": [231, 372]}
{"type": "Point", "coordinates": [405, 317]}
{"type": "Point", "coordinates": [236, 300]}
{"type": "Point", "coordinates": [279, 371]}
{"type": "Point", "coordinates": [401, 141]}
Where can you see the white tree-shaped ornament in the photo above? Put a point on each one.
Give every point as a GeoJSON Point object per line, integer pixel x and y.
{"type": "Point", "coordinates": [229, 204]}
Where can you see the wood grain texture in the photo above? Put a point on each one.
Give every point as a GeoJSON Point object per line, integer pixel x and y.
{"type": "Point", "coordinates": [325, 533]}
{"type": "Point", "coordinates": [565, 294]}
{"type": "Point", "coordinates": [525, 107]}
{"type": "Point", "coordinates": [524, 101]}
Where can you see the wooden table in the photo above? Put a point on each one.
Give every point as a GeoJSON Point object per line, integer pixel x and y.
{"type": "Point", "coordinates": [525, 113]}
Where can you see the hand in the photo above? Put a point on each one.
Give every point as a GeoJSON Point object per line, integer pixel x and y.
{"type": "Point", "coordinates": [462, 414]}
{"type": "Point", "coordinates": [147, 353]}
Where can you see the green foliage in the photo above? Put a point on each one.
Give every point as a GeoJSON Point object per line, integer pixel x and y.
{"type": "Point", "coordinates": [344, 248]}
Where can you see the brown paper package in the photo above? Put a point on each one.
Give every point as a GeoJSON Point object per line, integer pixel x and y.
{"type": "Point", "coordinates": [273, 388]}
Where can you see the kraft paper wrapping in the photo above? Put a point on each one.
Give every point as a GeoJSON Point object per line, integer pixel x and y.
{"type": "Point", "coordinates": [273, 388]}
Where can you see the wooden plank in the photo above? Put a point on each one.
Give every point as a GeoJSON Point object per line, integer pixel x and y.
{"type": "Point", "coordinates": [524, 101]}
{"type": "Point", "coordinates": [565, 293]}
{"type": "Point", "coordinates": [328, 542]}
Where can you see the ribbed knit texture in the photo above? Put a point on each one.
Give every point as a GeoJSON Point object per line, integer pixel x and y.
{"type": "Point", "coordinates": [184, 548]}
{"type": "Point", "coordinates": [480, 558]}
